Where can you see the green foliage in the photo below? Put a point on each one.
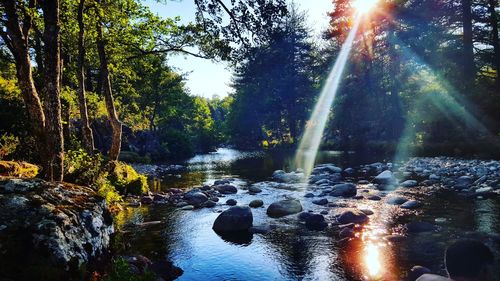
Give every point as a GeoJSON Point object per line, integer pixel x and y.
{"type": "Point", "coordinates": [82, 168]}
{"type": "Point", "coordinates": [18, 169]}
{"type": "Point", "coordinates": [126, 180]}
{"type": "Point", "coordinates": [121, 271]}
{"type": "Point", "coordinates": [8, 145]}
{"type": "Point", "coordinates": [106, 190]}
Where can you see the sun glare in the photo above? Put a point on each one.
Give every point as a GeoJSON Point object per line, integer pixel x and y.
{"type": "Point", "coordinates": [364, 6]}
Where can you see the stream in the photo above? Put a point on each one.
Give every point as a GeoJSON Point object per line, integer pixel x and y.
{"type": "Point", "coordinates": [290, 251]}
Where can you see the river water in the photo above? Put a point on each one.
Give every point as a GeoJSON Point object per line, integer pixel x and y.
{"type": "Point", "coordinates": [290, 251]}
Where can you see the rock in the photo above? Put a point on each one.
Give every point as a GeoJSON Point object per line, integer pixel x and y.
{"type": "Point", "coordinates": [463, 182]}
{"type": "Point", "coordinates": [412, 204]}
{"type": "Point", "coordinates": [226, 189]}
{"type": "Point", "coordinates": [254, 189]}
{"type": "Point", "coordinates": [187, 208]}
{"type": "Point", "coordinates": [291, 177]}
{"type": "Point", "coordinates": [367, 212]}
{"type": "Point", "coordinates": [396, 200]}
{"type": "Point", "coordinates": [352, 216]}
{"type": "Point", "coordinates": [181, 204]}
{"type": "Point", "coordinates": [344, 190]}
{"type": "Point", "coordinates": [484, 190]}
{"type": "Point", "coordinates": [56, 226]}
{"type": "Point", "coordinates": [236, 218]}
{"type": "Point", "coordinates": [363, 182]}
{"type": "Point", "coordinates": [304, 215]}
{"type": "Point", "coordinates": [316, 222]}
{"type": "Point", "coordinates": [346, 232]}
{"type": "Point", "coordinates": [409, 183]}
{"type": "Point", "coordinates": [349, 171]}
{"type": "Point", "coordinates": [434, 177]}
{"type": "Point", "coordinates": [417, 271]}
{"type": "Point", "coordinates": [166, 270]}
{"type": "Point", "coordinates": [210, 204]}
{"type": "Point", "coordinates": [256, 203]}
{"type": "Point", "coordinates": [196, 199]}
{"type": "Point", "coordinates": [419, 226]}
{"type": "Point", "coordinates": [221, 182]}
{"type": "Point", "coordinates": [324, 212]}
{"type": "Point", "coordinates": [231, 202]}
{"type": "Point", "coordinates": [309, 195]}
{"type": "Point", "coordinates": [284, 208]}
{"type": "Point", "coordinates": [385, 178]}
{"type": "Point", "coordinates": [147, 199]}
{"type": "Point", "coordinates": [374, 198]}
{"type": "Point", "coordinates": [323, 201]}
{"type": "Point", "coordinates": [440, 220]}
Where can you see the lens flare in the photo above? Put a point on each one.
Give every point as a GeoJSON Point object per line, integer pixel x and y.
{"type": "Point", "coordinates": [309, 145]}
{"type": "Point", "coordinates": [372, 260]}
{"type": "Point", "coordinates": [364, 6]}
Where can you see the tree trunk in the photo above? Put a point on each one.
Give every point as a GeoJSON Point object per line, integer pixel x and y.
{"type": "Point", "coordinates": [116, 125]}
{"type": "Point", "coordinates": [495, 41]}
{"type": "Point", "coordinates": [16, 39]}
{"type": "Point", "coordinates": [468, 47]}
{"type": "Point", "coordinates": [51, 90]}
{"type": "Point", "coordinates": [88, 139]}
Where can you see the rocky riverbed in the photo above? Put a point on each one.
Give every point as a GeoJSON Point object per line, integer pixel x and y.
{"type": "Point", "coordinates": [354, 205]}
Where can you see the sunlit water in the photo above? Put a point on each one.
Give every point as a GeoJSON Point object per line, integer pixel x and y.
{"type": "Point", "coordinates": [291, 252]}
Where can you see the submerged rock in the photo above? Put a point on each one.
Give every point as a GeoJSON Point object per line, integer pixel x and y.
{"type": "Point", "coordinates": [50, 225]}
{"type": "Point", "coordinates": [316, 222]}
{"type": "Point", "coordinates": [284, 208]}
{"type": "Point", "coordinates": [236, 218]}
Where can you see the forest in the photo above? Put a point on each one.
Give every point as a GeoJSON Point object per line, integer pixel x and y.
{"type": "Point", "coordinates": [87, 87]}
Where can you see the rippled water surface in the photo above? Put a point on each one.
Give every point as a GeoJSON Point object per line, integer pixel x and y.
{"type": "Point", "coordinates": [290, 251]}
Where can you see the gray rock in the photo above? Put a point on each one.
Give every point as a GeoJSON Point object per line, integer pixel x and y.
{"type": "Point", "coordinates": [256, 203]}
{"type": "Point", "coordinates": [309, 195]}
{"type": "Point", "coordinates": [236, 218]}
{"type": "Point", "coordinates": [484, 190]}
{"type": "Point", "coordinates": [226, 189]}
{"type": "Point", "coordinates": [374, 198]}
{"type": "Point", "coordinates": [411, 204]}
{"type": "Point", "coordinates": [346, 232]}
{"type": "Point", "coordinates": [396, 200]}
{"type": "Point", "coordinates": [196, 199]}
{"type": "Point", "coordinates": [463, 182]}
{"type": "Point", "coordinates": [254, 189]}
{"type": "Point", "coordinates": [367, 212]}
{"type": "Point", "coordinates": [231, 202]}
{"type": "Point", "coordinates": [210, 204]}
{"type": "Point", "coordinates": [304, 215]}
{"type": "Point", "coordinates": [187, 208]}
{"type": "Point", "coordinates": [284, 208]}
{"type": "Point", "coordinates": [344, 190]}
{"type": "Point", "coordinates": [323, 201]}
{"type": "Point", "coordinates": [385, 178]}
{"type": "Point", "coordinates": [416, 272]}
{"type": "Point", "coordinates": [352, 216]}
{"type": "Point", "coordinates": [409, 183]}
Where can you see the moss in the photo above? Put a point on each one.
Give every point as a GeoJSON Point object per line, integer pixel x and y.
{"type": "Point", "coordinates": [18, 169]}
{"type": "Point", "coordinates": [127, 180]}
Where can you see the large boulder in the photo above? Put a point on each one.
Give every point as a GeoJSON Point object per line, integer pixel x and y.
{"type": "Point", "coordinates": [54, 226]}
{"type": "Point", "coordinates": [344, 190]}
{"type": "Point", "coordinates": [352, 216]}
{"type": "Point", "coordinates": [234, 219]}
{"type": "Point", "coordinates": [284, 208]}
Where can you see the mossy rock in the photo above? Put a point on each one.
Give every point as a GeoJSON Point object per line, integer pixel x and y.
{"type": "Point", "coordinates": [18, 169]}
{"type": "Point", "coordinates": [126, 179]}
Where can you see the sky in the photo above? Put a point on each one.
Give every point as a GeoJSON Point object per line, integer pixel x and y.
{"type": "Point", "coordinates": [207, 78]}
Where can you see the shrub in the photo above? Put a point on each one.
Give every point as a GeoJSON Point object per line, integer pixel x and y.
{"type": "Point", "coordinates": [126, 179]}
{"type": "Point", "coordinates": [8, 145]}
{"type": "Point", "coordinates": [121, 271]}
{"type": "Point", "coordinates": [18, 169]}
{"type": "Point", "coordinates": [82, 168]}
{"type": "Point", "coordinates": [107, 191]}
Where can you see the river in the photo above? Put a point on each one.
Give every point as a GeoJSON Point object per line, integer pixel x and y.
{"type": "Point", "coordinates": [290, 251]}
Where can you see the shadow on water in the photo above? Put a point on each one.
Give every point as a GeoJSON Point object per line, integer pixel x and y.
{"type": "Point", "coordinates": [290, 251]}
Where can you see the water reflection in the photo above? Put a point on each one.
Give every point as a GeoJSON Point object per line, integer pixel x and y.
{"type": "Point", "coordinates": [372, 260]}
